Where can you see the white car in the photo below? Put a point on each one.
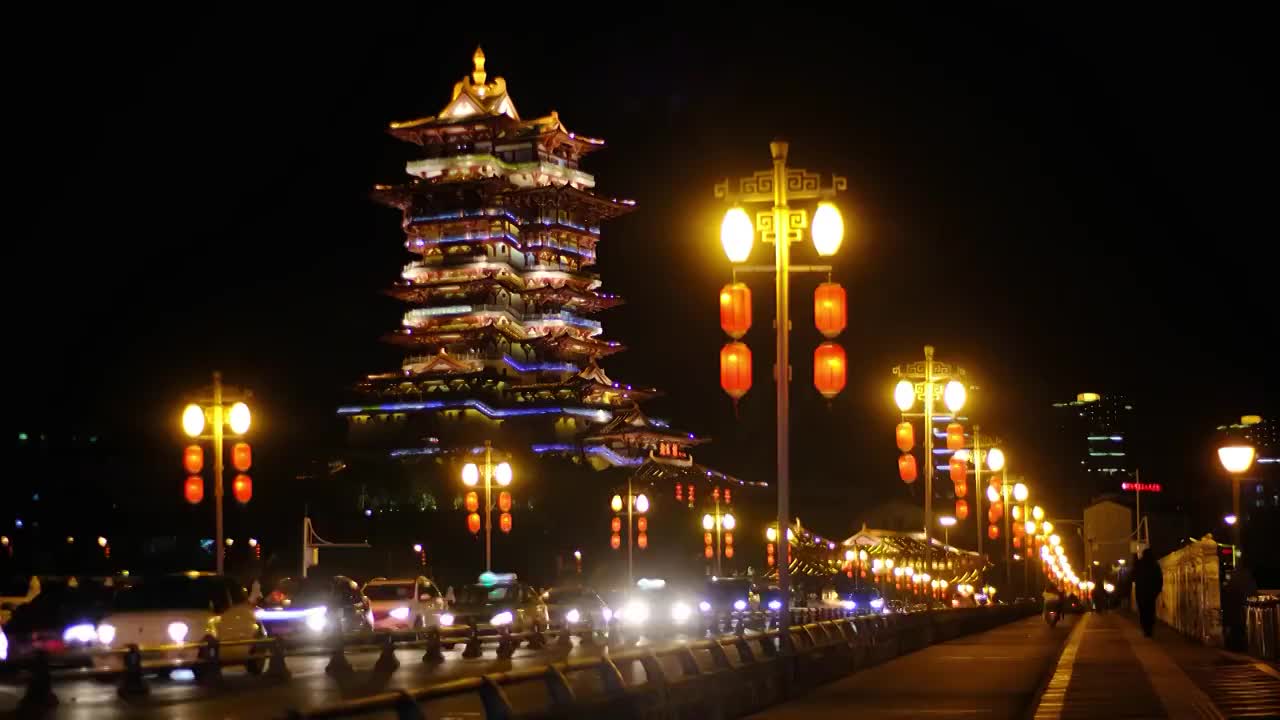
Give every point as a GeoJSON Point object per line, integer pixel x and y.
{"type": "Point", "coordinates": [170, 610]}
{"type": "Point", "coordinates": [404, 603]}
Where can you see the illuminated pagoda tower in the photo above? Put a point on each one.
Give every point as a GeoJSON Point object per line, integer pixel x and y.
{"type": "Point", "coordinates": [499, 337]}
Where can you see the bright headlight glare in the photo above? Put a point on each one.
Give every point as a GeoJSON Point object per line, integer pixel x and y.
{"type": "Point", "coordinates": [502, 618]}
{"type": "Point", "coordinates": [704, 606]}
{"type": "Point", "coordinates": [316, 622]}
{"type": "Point", "coordinates": [775, 604]}
{"type": "Point", "coordinates": [848, 604]}
{"type": "Point", "coordinates": [400, 613]}
{"type": "Point", "coordinates": [877, 603]}
{"type": "Point", "coordinates": [446, 619]}
{"type": "Point", "coordinates": [607, 614]}
{"type": "Point", "coordinates": [739, 604]}
{"type": "Point", "coordinates": [573, 615]}
{"type": "Point", "coordinates": [680, 612]}
{"type": "Point", "coordinates": [177, 631]}
{"type": "Point", "coordinates": [636, 613]}
{"type": "Point", "coordinates": [81, 633]}
{"type": "Point", "coordinates": [106, 634]}
{"type": "Point", "coordinates": [4, 646]}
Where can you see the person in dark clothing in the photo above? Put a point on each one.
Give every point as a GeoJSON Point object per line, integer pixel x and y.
{"type": "Point", "coordinates": [1148, 581]}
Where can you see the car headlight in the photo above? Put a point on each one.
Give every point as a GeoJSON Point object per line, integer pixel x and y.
{"type": "Point", "coordinates": [680, 612]}
{"type": "Point", "coordinates": [106, 634]}
{"type": "Point", "coordinates": [636, 613]}
{"type": "Point", "coordinates": [177, 632]}
{"type": "Point", "coordinates": [607, 613]}
{"type": "Point", "coordinates": [80, 633]}
{"type": "Point", "coordinates": [573, 616]}
{"type": "Point", "coordinates": [316, 621]}
{"type": "Point", "coordinates": [446, 618]}
{"type": "Point", "coordinates": [704, 606]}
{"type": "Point", "coordinates": [502, 618]}
{"type": "Point", "coordinates": [739, 604]}
{"type": "Point", "coordinates": [775, 604]}
{"type": "Point", "coordinates": [877, 604]}
{"type": "Point", "coordinates": [848, 604]}
{"type": "Point", "coordinates": [400, 613]}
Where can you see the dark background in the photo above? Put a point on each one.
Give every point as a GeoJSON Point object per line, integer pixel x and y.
{"type": "Point", "coordinates": [1060, 201]}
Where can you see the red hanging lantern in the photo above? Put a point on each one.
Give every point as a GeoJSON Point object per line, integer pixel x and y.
{"type": "Point", "coordinates": [829, 309]}
{"type": "Point", "coordinates": [955, 436]}
{"type": "Point", "coordinates": [642, 540]}
{"type": "Point", "coordinates": [504, 522]}
{"type": "Point", "coordinates": [735, 371]}
{"type": "Point", "coordinates": [907, 468]}
{"type": "Point", "coordinates": [993, 531]}
{"type": "Point", "coordinates": [962, 510]}
{"type": "Point", "coordinates": [962, 489]}
{"type": "Point", "coordinates": [193, 459]}
{"type": "Point", "coordinates": [1018, 529]}
{"type": "Point", "coordinates": [616, 524]}
{"type": "Point", "coordinates": [472, 502]}
{"type": "Point", "coordinates": [706, 538]}
{"type": "Point", "coordinates": [708, 553]}
{"type": "Point", "coordinates": [193, 489]}
{"type": "Point", "coordinates": [242, 488]}
{"type": "Point", "coordinates": [829, 369]}
{"type": "Point", "coordinates": [715, 494]}
{"type": "Point", "coordinates": [996, 511]}
{"type": "Point", "coordinates": [642, 524]}
{"type": "Point", "coordinates": [504, 501]}
{"type": "Point", "coordinates": [473, 523]}
{"type": "Point", "coordinates": [1017, 542]}
{"type": "Point", "coordinates": [728, 538]}
{"type": "Point", "coordinates": [679, 492]}
{"type": "Point", "coordinates": [735, 309]}
{"type": "Point", "coordinates": [241, 456]}
{"type": "Point", "coordinates": [691, 491]}
{"type": "Point", "coordinates": [906, 436]}
{"type": "Point", "coordinates": [728, 496]}
{"type": "Point", "coordinates": [959, 469]}
{"type": "Point", "coordinates": [615, 541]}
{"type": "Point", "coordinates": [728, 551]}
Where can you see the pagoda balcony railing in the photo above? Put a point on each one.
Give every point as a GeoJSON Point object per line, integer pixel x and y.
{"type": "Point", "coordinates": [413, 318]}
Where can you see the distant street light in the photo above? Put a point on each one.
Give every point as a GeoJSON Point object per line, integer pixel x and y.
{"type": "Point", "coordinates": [947, 522]}
{"type": "Point", "coordinates": [215, 417]}
{"type": "Point", "coordinates": [1230, 519]}
{"type": "Point", "coordinates": [472, 474]}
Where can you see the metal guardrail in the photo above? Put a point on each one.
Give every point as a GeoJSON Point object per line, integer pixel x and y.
{"type": "Point", "coordinates": [1262, 626]}
{"type": "Point", "coordinates": [717, 687]}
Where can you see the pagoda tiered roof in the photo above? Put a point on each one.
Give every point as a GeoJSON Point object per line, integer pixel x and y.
{"type": "Point", "coordinates": [563, 295]}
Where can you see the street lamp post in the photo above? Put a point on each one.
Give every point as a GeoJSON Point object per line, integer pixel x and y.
{"type": "Point", "coordinates": [782, 226]}
{"type": "Point", "coordinates": [471, 475]}
{"type": "Point", "coordinates": [947, 522]}
{"type": "Point", "coordinates": [1236, 459]}
{"type": "Point", "coordinates": [194, 419]}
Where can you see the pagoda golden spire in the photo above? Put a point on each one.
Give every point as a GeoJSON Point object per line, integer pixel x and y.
{"type": "Point", "coordinates": [478, 75]}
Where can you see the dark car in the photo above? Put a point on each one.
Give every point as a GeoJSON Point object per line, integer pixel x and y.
{"type": "Point", "coordinates": [497, 601]}
{"type": "Point", "coordinates": [576, 606]}
{"type": "Point", "coordinates": [315, 607]}
{"type": "Point", "coordinates": [727, 595]}
{"type": "Point", "coordinates": [863, 601]}
{"type": "Point", "coordinates": [61, 622]}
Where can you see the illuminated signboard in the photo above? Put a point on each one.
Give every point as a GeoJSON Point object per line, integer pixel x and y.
{"type": "Point", "coordinates": [1140, 487]}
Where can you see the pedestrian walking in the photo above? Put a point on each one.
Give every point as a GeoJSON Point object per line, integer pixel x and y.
{"type": "Point", "coordinates": [1148, 581]}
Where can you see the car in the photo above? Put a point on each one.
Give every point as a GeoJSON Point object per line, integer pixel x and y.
{"type": "Point", "coordinates": [728, 595]}
{"type": "Point", "coordinates": [656, 608]}
{"type": "Point", "coordinates": [404, 603]}
{"type": "Point", "coordinates": [498, 600]}
{"type": "Point", "coordinates": [169, 613]}
{"type": "Point", "coordinates": [61, 622]}
{"type": "Point", "coordinates": [576, 606]}
{"type": "Point", "coordinates": [313, 608]}
{"type": "Point", "coordinates": [863, 601]}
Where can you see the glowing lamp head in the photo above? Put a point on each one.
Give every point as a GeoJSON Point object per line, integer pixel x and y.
{"type": "Point", "coordinates": [828, 229]}
{"type": "Point", "coordinates": [771, 534]}
{"type": "Point", "coordinates": [193, 420]}
{"type": "Point", "coordinates": [954, 395]}
{"type": "Point", "coordinates": [1230, 519]}
{"type": "Point", "coordinates": [1037, 513]}
{"type": "Point", "coordinates": [1029, 527]}
{"type": "Point", "coordinates": [993, 495]}
{"type": "Point", "coordinates": [642, 503]}
{"type": "Point", "coordinates": [616, 503]}
{"type": "Point", "coordinates": [849, 555]}
{"type": "Point", "coordinates": [708, 522]}
{"type": "Point", "coordinates": [737, 234]}
{"type": "Point", "coordinates": [1020, 492]}
{"type": "Point", "coordinates": [417, 547]}
{"type": "Point", "coordinates": [1046, 528]}
{"type": "Point", "coordinates": [728, 522]}
{"type": "Point", "coordinates": [1054, 540]}
{"type": "Point", "coordinates": [995, 459]}
{"type": "Point", "coordinates": [1236, 459]}
{"type": "Point", "coordinates": [470, 474]}
{"type": "Point", "coordinates": [238, 418]}
{"type": "Point", "coordinates": [102, 542]}
{"type": "Point", "coordinates": [947, 521]}
{"type": "Point", "coordinates": [502, 474]}
{"type": "Point", "coordinates": [904, 395]}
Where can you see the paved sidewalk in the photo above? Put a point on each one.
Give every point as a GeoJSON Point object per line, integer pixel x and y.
{"type": "Point", "coordinates": [1109, 670]}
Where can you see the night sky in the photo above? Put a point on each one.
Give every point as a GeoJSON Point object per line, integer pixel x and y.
{"type": "Point", "coordinates": [1060, 202]}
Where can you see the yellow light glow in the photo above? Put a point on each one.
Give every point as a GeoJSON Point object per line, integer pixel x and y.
{"type": "Point", "coordinates": [642, 503]}
{"type": "Point", "coordinates": [888, 562]}
{"type": "Point", "coordinates": [238, 418]}
{"type": "Point", "coordinates": [4, 540]}
{"type": "Point", "coordinates": [471, 475]}
{"type": "Point", "coordinates": [1236, 458]}
{"type": "Point", "coordinates": [1030, 527]}
{"type": "Point", "coordinates": [253, 542]}
{"type": "Point", "coordinates": [1088, 397]}
{"type": "Point", "coordinates": [728, 522]}
{"type": "Point", "coordinates": [849, 555]}
{"type": "Point", "coordinates": [1037, 513]}
{"type": "Point", "coordinates": [1016, 513]}
{"type": "Point", "coordinates": [904, 394]}
{"type": "Point", "coordinates": [828, 229]}
{"type": "Point", "coordinates": [862, 555]}
{"type": "Point", "coordinates": [1046, 528]}
{"type": "Point", "coordinates": [1250, 419]}
{"type": "Point", "coordinates": [1059, 550]}
{"type": "Point", "coordinates": [502, 474]}
{"type": "Point", "coordinates": [417, 547]}
{"type": "Point", "coordinates": [193, 420]}
{"type": "Point", "coordinates": [771, 534]}
{"type": "Point", "coordinates": [877, 564]}
{"type": "Point", "coordinates": [1020, 492]}
{"type": "Point", "coordinates": [616, 503]}
{"type": "Point", "coordinates": [102, 542]}
{"type": "Point", "coordinates": [737, 235]}
{"type": "Point", "coordinates": [993, 495]}
{"type": "Point", "coordinates": [995, 459]}
{"type": "Point", "coordinates": [954, 395]}
{"type": "Point", "coordinates": [1054, 540]}
{"type": "Point", "coordinates": [708, 522]}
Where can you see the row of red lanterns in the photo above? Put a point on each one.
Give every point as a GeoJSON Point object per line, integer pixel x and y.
{"type": "Point", "coordinates": [193, 464]}
{"type": "Point", "coordinates": [829, 360]}
{"type": "Point", "coordinates": [504, 522]}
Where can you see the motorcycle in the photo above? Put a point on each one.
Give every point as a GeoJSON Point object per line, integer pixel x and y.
{"type": "Point", "coordinates": [1052, 609]}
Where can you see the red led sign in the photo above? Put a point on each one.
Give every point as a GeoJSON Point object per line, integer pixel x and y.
{"type": "Point", "coordinates": [1140, 487]}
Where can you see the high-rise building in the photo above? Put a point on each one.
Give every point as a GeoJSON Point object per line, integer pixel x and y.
{"type": "Point", "coordinates": [1093, 431]}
